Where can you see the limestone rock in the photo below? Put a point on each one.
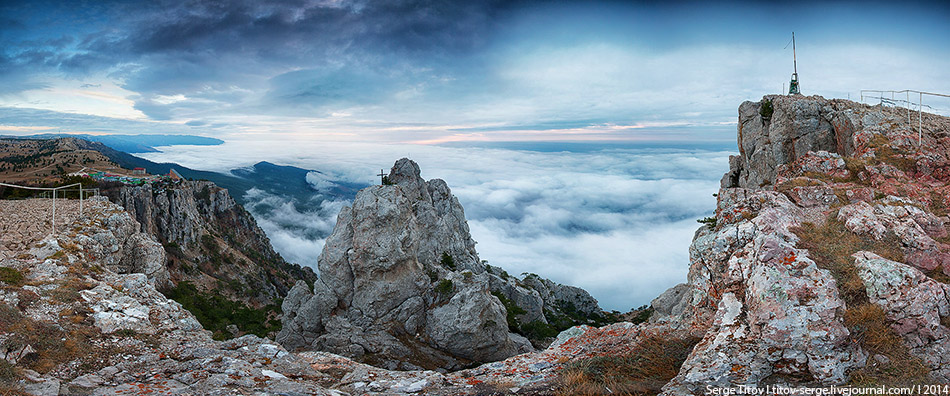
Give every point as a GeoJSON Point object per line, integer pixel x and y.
{"type": "Point", "coordinates": [196, 221]}
{"type": "Point", "coordinates": [796, 126]}
{"type": "Point", "coordinates": [392, 284]}
{"type": "Point", "coordinates": [914, 304]}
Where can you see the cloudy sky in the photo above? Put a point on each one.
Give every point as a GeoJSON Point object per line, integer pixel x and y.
{"type": "Point", "coordinates": [434, 71]}
{"type": "Point", "coordinates": [481, 93]}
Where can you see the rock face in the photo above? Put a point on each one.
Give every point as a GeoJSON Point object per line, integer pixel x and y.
{"type": "Point", "coordinates": [793, 127]}
{"type": "Point", "coordinates": [211, 241]}
{"type": "Point", "coordinates": [401, 285]}
{"type": "Point", "coordinates": [390, 287]}
{"type": "Point", "coordinates": [116, 242]}
{"type": "Point", "coordinates": [770, 288]}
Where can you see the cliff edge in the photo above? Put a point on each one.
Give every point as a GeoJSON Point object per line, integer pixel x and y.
{"type": "Point", "coordinates": [826, 262]}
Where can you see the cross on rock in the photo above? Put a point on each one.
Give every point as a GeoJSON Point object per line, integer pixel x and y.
{"type": "Point", "coordinates": [382, 177]}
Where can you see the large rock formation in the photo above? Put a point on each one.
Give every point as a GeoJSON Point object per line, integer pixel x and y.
{"type": "Point", "coordinates": [389, 288]}
{"type": "Point", "coordinates": [401, 285]}
{"type": "Point", "coordinates": [772, 290]}
{"type": "Point", "coordinates": [211, 241]}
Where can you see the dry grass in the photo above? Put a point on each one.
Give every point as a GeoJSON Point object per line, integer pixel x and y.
{"type": "Point", "coordinates": [68, 291]}
{"type": "Point", "coordinates": [53, 345]}
{"type": "Point", "coordinates": [831, 246]}
{"type": "Point", "coordinates": [938, 275]}
{"type": "Point", "coordinates": [655, 362]}
{"type": "Point", "coordinates": [885, 153]}
{"type": "Point", "coordinates": [810, 179]}
{"type": "Point", "coordinates": [8, 379]}
{"type": "Point", "coordinates": [938, 204]}
{"type": "Point", "coordinates": [869, 327]}
{"type": "Point", "coordinates": [854, 166]}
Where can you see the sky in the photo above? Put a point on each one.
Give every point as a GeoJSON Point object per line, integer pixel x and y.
{"type": "Point", "coordinates": [415, 71]}
{"type": "Point", "coordinates": [484, 94]}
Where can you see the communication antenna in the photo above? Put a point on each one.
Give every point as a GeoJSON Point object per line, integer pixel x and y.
{"type": "Point", "coordinates": [793, 85]}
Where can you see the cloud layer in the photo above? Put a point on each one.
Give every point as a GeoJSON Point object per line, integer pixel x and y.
{"type": "Point", "coordinates": [615, 221]}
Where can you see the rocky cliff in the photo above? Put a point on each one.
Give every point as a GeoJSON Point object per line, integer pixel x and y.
{"type": "Point", "coordinates": [827, 260]}
{"type": "Point", "coordinates": [211, 241]}
{"type": "Point", "coordinates": [401, 285]}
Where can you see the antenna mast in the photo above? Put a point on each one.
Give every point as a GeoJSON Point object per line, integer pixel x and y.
{"type": "Point", "coordinates": [793, 85]}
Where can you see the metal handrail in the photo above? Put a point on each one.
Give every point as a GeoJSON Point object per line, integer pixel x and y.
{"type": "Point", "coordinates": [920, 105]}
{"type": "Point", "coordinates": [53, 189]}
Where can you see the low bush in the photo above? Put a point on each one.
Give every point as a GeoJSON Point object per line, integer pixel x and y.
{"type": "Point", "coordinates": [216, 312]}
{"type": "Point", "coordinates": [447, 261]}
{"type": "Point", "coordinates": [513, 310]}
{"type": "Point", "coordinates": [11, 276]}
{"type": "Point", "coordinates": [655, 362]}
{"type": "Point", "coordinates": [766, 110]}
{"type": "Point", "coordinates": [444, 287]}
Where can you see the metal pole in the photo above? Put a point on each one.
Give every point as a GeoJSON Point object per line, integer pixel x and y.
{"type": "Point", "coordinates": [908, 107]}
{"type": "Point", "coordinates": [80, 199]}
{"type": "Point", "coordinates": [54, 211]}
{"type": "Point", "coordinates": [794, 57]}
{"type": "Point", "coordinates": [920, 119]}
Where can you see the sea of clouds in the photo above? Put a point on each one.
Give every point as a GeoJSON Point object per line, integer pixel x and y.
{"type": "Point", "coordinates": [615, 221]}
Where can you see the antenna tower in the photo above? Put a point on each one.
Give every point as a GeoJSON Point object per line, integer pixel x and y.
{"type": "Point", "coordinates": [793, 85]}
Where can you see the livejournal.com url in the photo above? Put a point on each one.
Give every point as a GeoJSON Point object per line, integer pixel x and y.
{"type": "Point", "coordinates": [829, 390]}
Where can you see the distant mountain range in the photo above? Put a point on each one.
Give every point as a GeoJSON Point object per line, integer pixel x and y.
{"type": "Point", "coordinates": [287, 181]}
{"type": "Point", "coordinates": [133, 143]}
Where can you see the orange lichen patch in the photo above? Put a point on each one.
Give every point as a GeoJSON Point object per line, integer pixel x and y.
{"type": "Point", "coordinates": [789, 260]}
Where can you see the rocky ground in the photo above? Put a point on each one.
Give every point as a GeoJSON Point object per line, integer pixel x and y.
{"type": "Point", "coordinates": [81, 315]}
{"type": "Point", "coordinates": [25, 222]}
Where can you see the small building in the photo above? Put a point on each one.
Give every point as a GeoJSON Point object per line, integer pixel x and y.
{"type": "Point", "coordinates": [138, 171]}
{"type": "Point", "coordinates": [174, 175]}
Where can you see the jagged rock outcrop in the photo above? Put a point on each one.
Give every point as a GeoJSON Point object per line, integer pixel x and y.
{"type": "Point", "coordinates": [780, 129]}
{"type": "Point", "coordinates": [392, 287]}
{"type": "Point", "coordinates": [401, 285]}
{"type": "Point", "coordinates": [211, 240]}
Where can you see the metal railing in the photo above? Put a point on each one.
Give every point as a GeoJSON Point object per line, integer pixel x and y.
{"type": "Point", "coordinates": [54, 190]}
{"type": "Point", "coordinates": [920, 104]}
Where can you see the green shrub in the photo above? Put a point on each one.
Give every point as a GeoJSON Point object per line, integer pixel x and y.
{"type": "Point", "coordinates": [643, 315]}
{"type": "Point", "coordinates": [512, 309]}
{"type": "Point", "coordinates": [125, 333]}
{"type": "Point", "coordinates": [709, 221]}
{"type": "Point", "coordinates": [766, 110]}
{"type": "Point", "coordinates": [444, 287]}
{"type": "Point", "coordinates": [447, 261]}
{"type": "Point", "coordinates": [538, 330]}
{"type": "Point", "coordinates": [11, 276]}
{"type": "Point", "coordinates": [216, 312]}
{"type": "Point", "coordinates": [209, 243]}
